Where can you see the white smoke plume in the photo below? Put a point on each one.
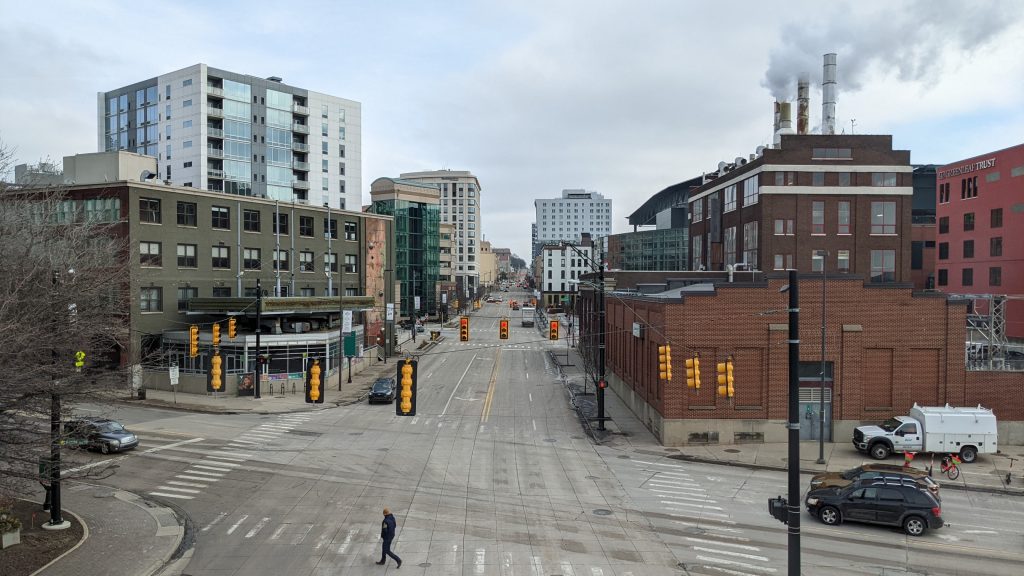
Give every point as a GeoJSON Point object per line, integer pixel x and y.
{"type": "Point", "coordinates": [909, 38]}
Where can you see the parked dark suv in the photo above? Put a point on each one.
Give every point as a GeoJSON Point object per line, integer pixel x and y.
{"type": "Point", "coordinates": [99, 434]}
{"type": "Point", "coordinates": [878, 501]}
{"type": "Point", "coordinates": [383, 390]}
{"type": "Point", "coordinates": [872, 471]}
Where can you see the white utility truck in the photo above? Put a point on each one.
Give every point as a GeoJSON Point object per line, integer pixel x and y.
{"type": "Point", "coordinates": [528, 313]}
{"type": "Point", "coordinates": [936, 429]}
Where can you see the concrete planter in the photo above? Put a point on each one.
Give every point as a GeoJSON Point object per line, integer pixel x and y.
{"type": "Point", "coordinates": [8, 539]}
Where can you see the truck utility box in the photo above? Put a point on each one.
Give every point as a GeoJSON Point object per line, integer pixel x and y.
{"type": "Point", "coordinates": [937, 429]}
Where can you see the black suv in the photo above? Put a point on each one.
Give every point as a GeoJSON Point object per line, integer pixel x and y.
{"type": "Point", "coordinates": [874, 471]}
{"type": "Point", "coordinates": [99, 434]}
{"type": "Point", "coordinates": [878, 501]}
{"type": "Point", "coordinates": [383, 390]}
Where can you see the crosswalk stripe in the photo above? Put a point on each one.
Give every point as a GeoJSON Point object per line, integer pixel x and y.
{"type": "Point", "coordinates": [204, 467]}
{"type": "Point", "coordinates": [201, 473]}
{"type": "Point", "coordinates": [226, 460]}
{"type": "Point", "coordinates": [165, 495]}
{"type": "Point", "coordinates": [191, 484]}
{"type": "Point", "coordinates": [185, 490]}
{"type": "Point", "coordinates": [743, 565]}
{"type": "Point", "coordinates": [730, 544]}
{"type": "Point", "coordinates": [730, 553]}
{"type": "Point", "coordinates": [184, 477]}
{"type": "Point", "coordinates": [237, 524]}
{"type": "Point", "coordinates": [214, 522]}
{"type": "Point", "coordinates": [256, 529]}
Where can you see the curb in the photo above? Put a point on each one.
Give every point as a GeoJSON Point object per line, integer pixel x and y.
{"type": "Point", "coordinates": [85, 536]}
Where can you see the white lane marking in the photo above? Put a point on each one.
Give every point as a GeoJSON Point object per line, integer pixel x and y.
{"type": "Point", "coordinates": [717, 529]}
{"type": "Point", "coordinates": [275, 428]}
{"type": "Point", "coordinates": [662, 475]}
{"type": "Point", "coordinates": [243, 441]}
{"type": "Point", "coordinates": [980, 532]}
{"type": "Point", "coordinates": [737, 564]}
{"type": "Point", "coordinates": [683, 487]}
{"type": "Point", "coordinates": [225, 460]}
{"type": "Point", "coordinates": [214, 522]}
{"type": "Point", "coordinates": [264, 435]}
{"type": "Point", "coordinates": [165, 495]}
{"type": "Point", "coordinates": [173, 489]}
{"type": "Point", "coordinates": [297, 539]}
{"type": "Point", "coordinates": [415, 420]}
{"type": "Point", "coordinates": [277, 533]}
{"type": "Point", "coordinates": [237, 446]}
{"type": "Point", "coordinates": [322, 541]}
{"type": "Point", "coordinates": [567, 570]}
{"type": "Point", "coordinates": [190, 484]}
{"type": "Point", "coordinates": [537, 565]}
{"type": "Point", "coordinates": [698, 504]}
{"type": "Point", "coordinates": [530, 394]}
{"type": "Point", "coordinates": [174, 445]}
{"type": "Point", "coordinates": [205, 467]}
{"type": "Point", "coordinates": [701, 514]}
{"type": "Point", "coordinates": [237, 524]}
{"type": "Point", "coordinates": [348, 540]}
{"type": "Point", "coordinates": [186, 477]}
{"type": "Point", "coordinates": [480, 561]}
{"type": "Point", "coordinates": [733, 554]}
{"type": "Point", "coordinates": [534, 425]}
{"type": "Point", "coordinates": [233, 453]}
{"type": "Point", "coordinates": [259, 526]}
{"type": "Point", "coordinates": [684, 499]}
{"type": "Point", "coordinates": [457, 384]}
{"type": "Point", "coordinates": [201, 473]}
{"type": "Point", "coordinates": [717, 543]}
{"type": "Point", "coordinates": [595, 571]}
{"type": "Point", "coordinates": [728, 571]}
{"type": "Point", "coordinates": [658, 464]}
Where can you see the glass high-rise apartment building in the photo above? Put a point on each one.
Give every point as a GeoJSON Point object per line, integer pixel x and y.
{"type": "Point", "coordinates": [234, 133]}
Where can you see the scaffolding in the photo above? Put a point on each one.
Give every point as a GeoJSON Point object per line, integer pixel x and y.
{"type": "Point", "coordinates": [987, 347]}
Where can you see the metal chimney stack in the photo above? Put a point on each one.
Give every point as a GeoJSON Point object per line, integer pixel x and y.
{"type": "Point", "coordinates": [828, 95]}
{"type": "Point", "coordinates": [785, 124]}
{"type": "Point", "coordinates": [803, 101]}
{"type": "Point", "coordinates": [775, 126]}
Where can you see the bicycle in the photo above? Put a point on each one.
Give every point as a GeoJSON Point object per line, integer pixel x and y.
{"type": "Point", "coordinates": [951, 466]}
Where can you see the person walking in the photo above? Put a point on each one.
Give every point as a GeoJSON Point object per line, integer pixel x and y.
{"type": "Point", "coordinates": [387, 533]}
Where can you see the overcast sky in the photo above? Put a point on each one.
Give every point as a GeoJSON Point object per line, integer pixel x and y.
{"type": "Point", "coordinates": [621, 97]}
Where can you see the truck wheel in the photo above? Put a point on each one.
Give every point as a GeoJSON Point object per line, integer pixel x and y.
{"type": "Point", "coordinates": [968, 454]}
{"type": "Point", "coordinates": [880, 451]}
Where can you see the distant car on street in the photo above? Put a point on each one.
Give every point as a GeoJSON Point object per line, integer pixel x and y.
{"type": "Point", "coordinates": [383, 390]}
{"type": "Point", "coordinates": [99, 434]}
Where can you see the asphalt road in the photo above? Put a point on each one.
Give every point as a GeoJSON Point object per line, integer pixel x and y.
{"type": "Point", "coordinates": [493, 476]}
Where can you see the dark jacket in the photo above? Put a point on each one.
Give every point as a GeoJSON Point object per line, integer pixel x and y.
{"type": "Point", "coordinates": [387, 527]}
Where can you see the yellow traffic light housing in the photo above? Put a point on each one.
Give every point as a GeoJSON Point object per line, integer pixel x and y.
{"type": "Point", "coordinates": [503, 329]}
{"type": "Point", "coordinates": [725, 388]}
{"type": "Point", "coordinates": [464, 329]}
{"type": "Point", "coordinates": [232, 328]}
{"type": "Point", "coordinates": [314, 394]}
{"type": "Point", "coordinates": [216, 373]}
{"type": "Point", "coordinates": [553, 330]}
{"type": "Point", "coordinates": [193, 341]}
{"type": "Point", "coordinates": [406, 404]}
{"type": "Point", "coordinates": [693, 373]}
{"type": "Point", "coordinates": [216, 334]}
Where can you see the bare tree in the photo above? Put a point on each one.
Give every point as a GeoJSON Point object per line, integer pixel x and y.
{"type": "Point", "coordinates": [63, 287]}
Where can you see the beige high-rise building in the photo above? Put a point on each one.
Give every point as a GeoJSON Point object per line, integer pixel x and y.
{"type": "Point", "coordinates": [460, 207]}
{"type": "Point", "coordinates": [488, 265]}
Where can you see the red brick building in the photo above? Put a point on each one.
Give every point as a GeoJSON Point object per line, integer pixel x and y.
{"type": "Point", "coordinates": [847, 195]}
{"type": "Point", "coordinates": [886, 348]}
{"type": "Point", "coordinates": [981, 229]}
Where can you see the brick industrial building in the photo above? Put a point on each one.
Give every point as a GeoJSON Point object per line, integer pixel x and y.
{"type": "Point", "coordinates": [886, 348]}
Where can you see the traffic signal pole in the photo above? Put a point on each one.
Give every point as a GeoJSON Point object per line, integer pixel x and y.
{"type": "Point", "coordinates": [793, 465]}
{"type": "Point", "coordinates": [601, 383]}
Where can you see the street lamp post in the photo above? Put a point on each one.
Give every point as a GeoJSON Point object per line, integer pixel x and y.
{"type": "Point", "coordinates": [793, 465]}
{"type": "Point", "coordinates": [821, 389]}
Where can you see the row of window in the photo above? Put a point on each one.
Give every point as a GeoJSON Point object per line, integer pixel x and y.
{"type": "Point", "coordinates": [995, 248]}
{"type": "Point", "coordinates": [151, 256]}
{"type": "Point", "coordinates": [151, 298]}
{"type": "Point", "coordinates": [883, 263]}
{"type": "Point", "coordinates": [968, 189]}
{"type": "Point", "coordinates": [995, 276]}
{"type": "Point", "coordinates": [151, 212]}
{"type": "Point", "coordinates": [995, 221]}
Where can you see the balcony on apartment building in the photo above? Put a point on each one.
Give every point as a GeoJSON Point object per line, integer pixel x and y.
{"type": "Point", "coordinates": [298, 165]}
{"type": "Point", "coordinates": [214, 91]}
{"type": "Point", "coordinates": [300, 146]}
{"type": "Point", "coordinates": [300, 128]}
{"type": "Point", "coordinates": [300, 109]}
{"type": "Point", "coordinates": [214, 111]}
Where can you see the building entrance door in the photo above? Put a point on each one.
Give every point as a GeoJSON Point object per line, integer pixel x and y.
{"type": "Point", "coordinates": [810, 405]}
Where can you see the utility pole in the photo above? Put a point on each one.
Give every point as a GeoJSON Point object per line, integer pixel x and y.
{"type": "Point", "coordinates": [259, 318]}
{"type": "Point", "coordinates": [56, 513]}
{"type": "Point", "coordinates": [601, 383]}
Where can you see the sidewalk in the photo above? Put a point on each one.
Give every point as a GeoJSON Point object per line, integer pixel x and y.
{"type": "Point", "coordinates": [988, 474]}
{"type": "Point", "coordinates": [124, 534]}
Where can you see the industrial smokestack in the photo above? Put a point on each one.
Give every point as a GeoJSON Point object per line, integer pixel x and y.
{"type": "Point", "coordinates": [785, 122]}
{"type": "Point", "coordinates": [802, 103]}
{"type": "Point", "coordinates": [828, 95]}
{"type": "Point", "coordinates": [775, 125]}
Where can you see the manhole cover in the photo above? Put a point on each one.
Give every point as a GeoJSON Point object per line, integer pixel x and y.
{"type": "Point", "coordinates": [623, 457]}
{"type": "Point", "coordinates": [550, 440]}
{"type": "Point", "coordinates": [731, 451]}
{"type": "Point", "coordinates": [602, 512]}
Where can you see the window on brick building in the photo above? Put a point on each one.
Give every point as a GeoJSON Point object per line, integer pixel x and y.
{"type": "Point", "coordinates": [943, 250]}
{"type": "Point", "coordinates": [995, 276]}
{"type": "Point", "coordinates": [995, 246]}
{"type": "Point", "coordinates": [817, 178]}
{"type": "Point", "coordinates": [843, 260]}
{"type": "Point", "coordinates": [844, 178]}
{"type": "Point", "coordinates": [883, 217]}
{"type": "Point", "coordinates": [968, 248]}
{"type": "Point", "coordinates": [817, 217]}
{"type": "Point", "coordinates": [997, 218]}
{"type": "Point", "coordinates": [883, 265]}
{"type": "Point", "coordinates": [783, 262]}
{"type": "Point", "coordinates": [967, 277]}
{"type": "Point", "coordinates": [785, 178]}
{"type": "Point", "coordinates": [943, 277]}
{"type": "Point", "coordinates": [944, 225]}
{"type": "Point", "coordinates": [844, 218]}
{"type": "Point", "coordinates": [783, 227]}
{"type": "Point", "coordinates": [817, 260]}
{"type": "Point", "coordinates": [968, 221]}
{"type": "Point", "coordinates": [730, 245]}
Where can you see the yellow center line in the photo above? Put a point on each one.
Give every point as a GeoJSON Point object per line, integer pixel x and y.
{"type": "Point", "coordinates": [490, 388]}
